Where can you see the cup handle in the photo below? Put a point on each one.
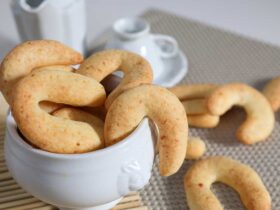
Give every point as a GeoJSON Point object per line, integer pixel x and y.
{"type": "Point", "coordinates": [167, 45]}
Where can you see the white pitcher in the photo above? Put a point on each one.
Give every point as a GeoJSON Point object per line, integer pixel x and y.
{"type": "Point", "coordinates": [61, 20]}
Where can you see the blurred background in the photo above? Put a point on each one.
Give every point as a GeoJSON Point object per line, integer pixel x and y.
{"type": "Point", "coordinates": [258, 19]}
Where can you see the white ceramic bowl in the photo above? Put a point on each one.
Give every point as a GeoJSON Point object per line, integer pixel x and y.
{"type": "Point", "coordinates": [95, 180]}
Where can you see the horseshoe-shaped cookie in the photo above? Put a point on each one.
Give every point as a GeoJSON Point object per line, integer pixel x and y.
{"type": "Point", "coordinates": [48, 132]}
{"type": "Point", "coordinates": [164, 108]}
{"type": "Point", "coordinates": [135, 68]}
{"type": "Point", "coordinates": [240, 177]}
{"type": "Point", "coordinates": [30, 55]}
{"type": "Point", "coordinates": [259, 122]}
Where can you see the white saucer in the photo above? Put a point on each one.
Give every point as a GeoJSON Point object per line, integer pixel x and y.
{"type": "Point", "coordinates": [175, 69]}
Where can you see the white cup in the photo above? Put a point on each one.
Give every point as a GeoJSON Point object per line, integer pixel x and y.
{"type": "Point", "coordinates": [92, 181]}
{"type": "Point", "coordinates": [133, 34]}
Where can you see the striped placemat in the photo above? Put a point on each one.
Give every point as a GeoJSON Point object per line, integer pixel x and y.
{"type": "Point", "coordinates": [13, 197]}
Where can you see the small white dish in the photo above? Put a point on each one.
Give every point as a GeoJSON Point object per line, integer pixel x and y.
{"type": "Point", "coordinates": [169, 64]}
{"type": "Point", "coordinates": [175, 69]}
{"type": "Point", "coordinates": [90, 181]}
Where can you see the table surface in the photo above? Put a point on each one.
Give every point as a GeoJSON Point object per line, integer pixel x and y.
{"type": "Point", "coordinates": [253, 18]}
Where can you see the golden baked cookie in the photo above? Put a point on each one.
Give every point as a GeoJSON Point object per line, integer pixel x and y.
{"type": "Point", "coordinates": [135, 68]}
{"type": "Point", "coordinates": [195, 106]}
{"type": "Point", "coordinates": [193, 91]}
{"type": "Point", "coordinates": [240, 177]}
{"type": "Point", "coordinates": [164, 108]}
{"type": "Point", "coordinates": [29, 55]}
{"type": "Point", "coordinates": [193, 97]}
{"type": "Point", "coordinates": [272, 93]}
{"type": "Point", "coordinates": [79, 115]}
{"type": "Point", "coordinates": [259, 122]}
{"type": "Point", "coordinates": [196, 148]}
{"type": "Point", "coordinates": [55, 67]}
{"type": "Point", "coordinates": [203, 120]}
{"type": "Point", "coordinates": [52, 133]}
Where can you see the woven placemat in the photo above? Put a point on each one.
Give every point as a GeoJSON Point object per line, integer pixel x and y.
{"type": "Point", "coordinates": [13, 197]}
{"type": "Point", "coordinates": [218, 56]}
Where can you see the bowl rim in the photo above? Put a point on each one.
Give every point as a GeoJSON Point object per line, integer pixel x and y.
{"type": "Point", "coordinates": [11, 128]}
